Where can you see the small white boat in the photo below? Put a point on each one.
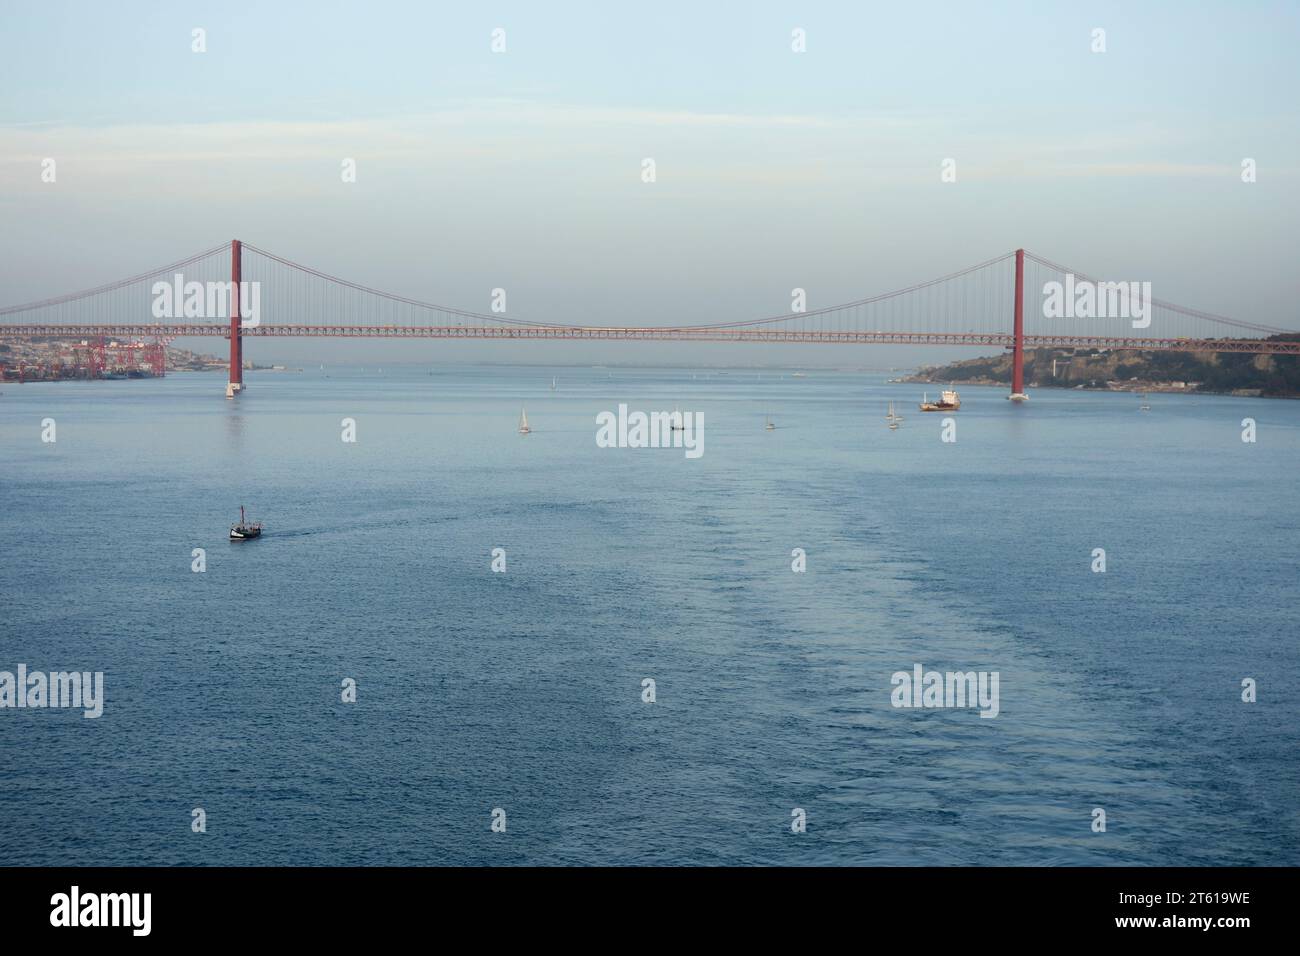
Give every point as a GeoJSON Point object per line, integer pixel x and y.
{"type": "Point", "coordinates": [523, 422]}
{"type": "Point", "coordinates": [1145, 406]}
{"type": "Point", "coordinates": [892, 417]}
{"type": "Point", "coordinates": [552, 384]}
{"type": "Point", "coordinates": [768, 425]}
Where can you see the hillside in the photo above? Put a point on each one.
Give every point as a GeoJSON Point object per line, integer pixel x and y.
{"type": "Point", "coordinates": [1227, 373]}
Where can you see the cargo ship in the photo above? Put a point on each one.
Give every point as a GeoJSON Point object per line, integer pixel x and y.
{"type": "Point", "coordinates": [949, 401]}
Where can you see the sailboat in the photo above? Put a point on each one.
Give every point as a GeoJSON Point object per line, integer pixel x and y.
{"type": "Point", "coordinates": [245, 529]}
{"type": "Point", "coordinates": [523, 422]}
{"type": "Point", "coordinates": [769, 426]}
{"type": "Point", "coordinates": [1145, 406]}
{"type": "Point", "coordinates": [552, 384]}
{"type": "Point", "coordinates": [893, 418]}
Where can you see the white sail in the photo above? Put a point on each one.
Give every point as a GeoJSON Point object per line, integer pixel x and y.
{"type": "Point", "coordinates": [523, 422]}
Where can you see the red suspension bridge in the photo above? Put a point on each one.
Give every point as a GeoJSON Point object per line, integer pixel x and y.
{"type": "Point", "coordinates": [982, 305]}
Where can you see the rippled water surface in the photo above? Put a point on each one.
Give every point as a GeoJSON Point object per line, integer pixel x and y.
{"type": "Point", "coordinates": [522, 690]}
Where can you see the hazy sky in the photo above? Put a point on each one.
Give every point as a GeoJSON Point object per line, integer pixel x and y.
{"type": "Point", "coordinates": [775, 169]}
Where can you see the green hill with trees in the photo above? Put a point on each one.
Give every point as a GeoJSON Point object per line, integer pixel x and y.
{"type": "Point", "coordinates": [1221, 372]}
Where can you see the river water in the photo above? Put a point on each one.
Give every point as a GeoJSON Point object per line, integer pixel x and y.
{"type": "Point", "coordinates": [523, 690]}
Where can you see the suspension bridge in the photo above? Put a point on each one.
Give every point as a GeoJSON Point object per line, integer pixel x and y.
{"type": "Point", "coordinates": [980, 306]}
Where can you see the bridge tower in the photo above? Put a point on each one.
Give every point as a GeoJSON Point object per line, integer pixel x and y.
{"type": "Point", "coordinates": [236, 383]}
{"type": "Point", "coordinates": [1018, 345]}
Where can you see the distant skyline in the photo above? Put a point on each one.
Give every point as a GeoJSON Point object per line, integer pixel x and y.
{"type": "Point", "coordinates": [774, 169]}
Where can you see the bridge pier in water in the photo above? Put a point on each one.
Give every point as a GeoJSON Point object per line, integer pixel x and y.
{"type": "Point", "coordinates": [1018, 335]}
{"type": "Point", "coordinates": [235, 385]}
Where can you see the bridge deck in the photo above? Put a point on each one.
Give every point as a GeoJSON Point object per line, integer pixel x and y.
{"type": "Point", "coordinates": [986, 339]}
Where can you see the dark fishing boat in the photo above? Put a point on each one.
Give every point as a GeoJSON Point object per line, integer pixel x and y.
{"type": "Point", "coordinates": [243, 531]}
